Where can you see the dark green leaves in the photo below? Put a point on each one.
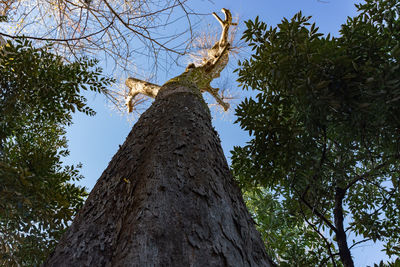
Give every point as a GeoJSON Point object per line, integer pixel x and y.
{"type": "Point", "coordinates": [38, 92]}
{"type": "Point", "coordinates": [326, 116]}
{"type": "Point", "coordinates": [43, 84]}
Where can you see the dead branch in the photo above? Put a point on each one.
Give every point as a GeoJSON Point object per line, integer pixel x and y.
{"type": "Point", "coordinates": [121, 30]}
{"type": "Point", "coordinates": [200, 76]}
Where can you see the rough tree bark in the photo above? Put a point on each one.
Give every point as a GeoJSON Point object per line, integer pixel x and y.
{"type": "Point", "coordinates": [167, 197]}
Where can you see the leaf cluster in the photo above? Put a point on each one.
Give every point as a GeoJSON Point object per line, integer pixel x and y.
{"type": "Point", "coordinates": [36, 82]}
{"type": "Point", "coordinates": [38, 93]}
{"type": "Point", "coordinates": [326, 116]}
{"type": "Point", "coordinates": [289, 241]}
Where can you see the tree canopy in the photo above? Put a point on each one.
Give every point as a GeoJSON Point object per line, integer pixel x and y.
{"type": "Point", "coordinates": [325, 128]}
{"type": "Point", "coordinates": [38, 93]}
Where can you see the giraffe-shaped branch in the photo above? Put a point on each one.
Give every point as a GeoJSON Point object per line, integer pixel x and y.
{"type": "Point", "coordinates": [200, 76]}
{"type": "Point", "coordinates": [223, 41]}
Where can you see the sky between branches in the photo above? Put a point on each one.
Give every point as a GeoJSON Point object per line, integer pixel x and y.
{"type": "Point", "coordinates": [94, 140]}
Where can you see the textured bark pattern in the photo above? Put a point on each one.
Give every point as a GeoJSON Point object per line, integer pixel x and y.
{"type": "Point", "coordinates": [167, 198]}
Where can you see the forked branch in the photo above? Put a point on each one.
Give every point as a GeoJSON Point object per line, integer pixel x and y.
{"type": "Point", "coordinates": [199, 76]}
{"type": "Point", "coordinates": [225, 24]}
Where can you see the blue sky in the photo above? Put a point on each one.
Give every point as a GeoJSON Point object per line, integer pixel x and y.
{"type": "Point", "coordinates": [94, 140]}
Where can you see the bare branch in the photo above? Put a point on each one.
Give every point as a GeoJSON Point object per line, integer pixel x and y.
{"type": "Point", "coordinates": [328, 244]}
{"type": "Point", "coordinates": [136, 87]}
{"type": "Point", "coordinates": [315, 211]}
{"type": "Point", "coordinates": [359, 242]}
{"type": "Point", "coordinates": [137, 32]}
{"type": "Point", "coordinates": [56, 39]}
{"type": "Point", "coordinates": [200, 76]}
{"type": "Point", "coordinates": [120, 29]}
{"type": "Point", "coordinates": [365, 175]}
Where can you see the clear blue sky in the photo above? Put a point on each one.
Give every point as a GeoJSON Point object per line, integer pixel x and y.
{"type": "Point", "coordinates": [94, 140]}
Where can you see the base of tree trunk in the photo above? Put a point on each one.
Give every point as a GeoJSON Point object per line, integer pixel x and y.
{"type": "Point", "coordinates": [167, 198]}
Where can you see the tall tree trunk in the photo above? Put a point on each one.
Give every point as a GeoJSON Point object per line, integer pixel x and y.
{"type": "Point", "coordinates": [167, 198]}
{"type": "Point", "coordinates": [344, 251]}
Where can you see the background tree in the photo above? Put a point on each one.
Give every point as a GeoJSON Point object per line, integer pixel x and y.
{"type": "Point", "coordinates": [288, 240]}
{"type": "Point", "coordinates": [38, 93]}
{"type": "Point", "coordinates": [325, 130]}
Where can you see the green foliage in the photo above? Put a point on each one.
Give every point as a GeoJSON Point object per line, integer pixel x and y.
{"type": "Point", "coordinates": [395, 263]}
{"type": "Point", "coordinates": [38, 92]}
{"type": "Point", "coordinates": [326, 118]}
{"type": "Point", "coordinates": [287, 238]}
